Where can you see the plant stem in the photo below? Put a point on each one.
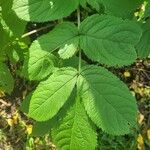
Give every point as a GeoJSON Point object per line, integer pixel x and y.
{"type": "Point", "coordinates": [79, 22]}
{"type": "Point", "coordinates": [36, 30]}
{"type": "Point", "coordinates": [79, 17]}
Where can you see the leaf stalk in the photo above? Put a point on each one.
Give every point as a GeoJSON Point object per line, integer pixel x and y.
{"type": "Point", "coordinates": [79, 22]}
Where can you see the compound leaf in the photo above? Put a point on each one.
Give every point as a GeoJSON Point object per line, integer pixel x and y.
{"type": "Point", "coordinates": [52, 93]}
{"type": "Point", "coordinates": [44, 10]}
{"type": "Point", "coordinates": [109, 40]}
{"type": "Point", "coordinates": [107, 100]}
{"type": "Point", "coordinates": [75, 130]}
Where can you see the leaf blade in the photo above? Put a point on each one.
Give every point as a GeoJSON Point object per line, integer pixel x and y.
{"type": "Point", "coordinates": [143, 47]}
{"type": "Point", "coordinates": [119, 8]}
{"type": "Point", "coordinates": [75, 130]}
{"type": "Point", "coordinates": [112, 39]}
{"type": "Point", "coordinates": [6, 79]}
{"type": "Point", "coordinates": [51, 94]}
{"type": "Point", "coordinates": [38, 64]}
{"type": "Point", "coordinates": [61, 35]}
{"type": "Point", "coordinates": [107, 100]}
{"type": "Point", "coordinates": [42, 11]}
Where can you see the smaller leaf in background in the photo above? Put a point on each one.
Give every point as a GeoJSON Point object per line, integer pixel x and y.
{"type": "Point", "coordinates": [11, 27]}
{"type": "Point", "coordinates": [147, 10]}
{"type": "Point", "coordinates": [52, 94]}
{"type": "Point", "coordinates": [6, 79]}
{"type": "Point", "coordinates": [120, 8]}
{"type": "Point", "coordinates": [15, 25]}
{"type": "Point", "coordinates": [75, 131]}
{"type": "Point", "coordinates": [143, 47]}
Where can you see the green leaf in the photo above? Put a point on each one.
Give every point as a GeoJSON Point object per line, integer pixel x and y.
{"type": "Point", "coordinates": [46, 126]}
{"type": "Point", "coordinates": [3, 39]}
{"type": "Point", "coordinates": [118, 8]}
{"type": "Point", "coordinates": [62, 35]}
{"type": "Point", "coordinates": [41, 11]}
{"type": "Point", "coordinates": [121, 8]}
{"type": "Point", "coordinates": [75, 130]}
{"type": "Point", "coordinates": [39, 64]}
{"type": "Point", "coordinates": [14, 53]}
{"type": "Point", "coordinates": [109, 40]}
{"type": "Point", "coordinates": [97, 4]}
{"type": "Point", "coordinates": [147, 10]}
{"type": "Point", "coordinates": [69, 49]}
{"type": "Point", "coordinates": [82, 3]}
{"type": "Point", "coordinates": [52, 93]}
{"type": "Point", "coordinates": [107, 100]}
{"type": "Point", "coordinates": [143, 47]}
{"type": "Point", "coordinates": [11, 27]}
{"type": "Point", "coordinates": [2, 55]}
{"type": "Point", "coordinates": [15, 25]}
{"type": "Point", "coordinates": [41, 128]}
{"type": "Point", "coordinates": [73, 62]}
{"type": "Point", "coordinates": [26, 103]}
{"type": "Point", "coordinates": [6, 79]}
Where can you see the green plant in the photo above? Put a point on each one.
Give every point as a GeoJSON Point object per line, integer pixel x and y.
{"type": "Point", "coordinates": [72, 96]}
